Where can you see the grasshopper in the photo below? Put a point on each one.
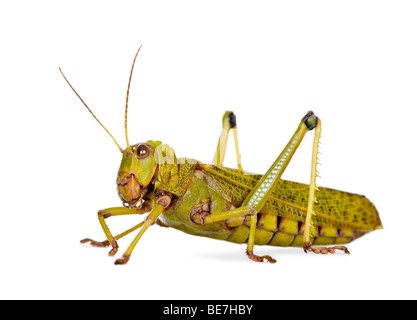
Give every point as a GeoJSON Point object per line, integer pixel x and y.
{"type": "Point", "coordinates": [214, 201]}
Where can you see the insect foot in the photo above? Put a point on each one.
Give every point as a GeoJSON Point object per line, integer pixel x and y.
{"type": "Point", "coordinates": [123, 260]}
{"type": "Point", "coordinates": [323, 250]}
{"type": "Point", "coordinates": [115, 248]}
{"type": "Point", "coordinates": [103, 244]}
{"type": "Point", "coordinates": [96, 243]}
{"type": "Point", "coordinates": [256, 258]}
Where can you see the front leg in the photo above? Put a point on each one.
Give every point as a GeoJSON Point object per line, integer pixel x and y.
{"type": "Point", "coordinates": [161, 203]}
{"type": "Point", "coordinates": [111, 212]}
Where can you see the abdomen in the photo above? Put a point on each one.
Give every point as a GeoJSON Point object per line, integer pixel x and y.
{"type": "Point", "coordinates": [283, 232]}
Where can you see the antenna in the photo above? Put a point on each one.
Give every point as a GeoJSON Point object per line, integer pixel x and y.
{"type": "Point", "coordinates": [127, 96]}
{"type": "Point", "coordinates": [121, 150]}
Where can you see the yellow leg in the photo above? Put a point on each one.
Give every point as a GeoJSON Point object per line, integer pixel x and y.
{"type": "Point", "coordinates": [313, 187]}
{"type": "Point", "coordinates": [309, 225]}
{"type": "Point", "coordinates": [204, 218]}
{"type": "Point", "coordinates": [228, 122]}
{"type": "Point", "coordinates": [225, 215]}
{"type": "Point", "coordinates": [251, 243]}
{"type": "Point", "coordinates": [106, 243]}
{"type": "Point", "coordinates": [112, 212]}
{"type": "Point", "coordinates": [239, 161]}
{"type": "Point", "coordinates": [264, 187]}
{"type": "Point", "coordinates": [150, 220]}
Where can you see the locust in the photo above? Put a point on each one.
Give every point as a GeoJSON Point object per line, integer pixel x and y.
{"type": "Point", "coordinates": [218, 202]}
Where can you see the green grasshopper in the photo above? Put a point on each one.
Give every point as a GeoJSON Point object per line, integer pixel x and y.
{"type": "Point", "coordinates": [230, 204]}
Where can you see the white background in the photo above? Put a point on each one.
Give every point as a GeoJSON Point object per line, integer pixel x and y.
{"type": "Point", "coordinates": [352, 62]}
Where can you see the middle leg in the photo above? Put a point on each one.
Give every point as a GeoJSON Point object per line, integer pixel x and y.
{"type": "Point", "coordinates": [203, 217]}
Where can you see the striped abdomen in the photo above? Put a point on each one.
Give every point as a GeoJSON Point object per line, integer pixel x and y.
{"type": "Point", "coordinates": [283, 232]}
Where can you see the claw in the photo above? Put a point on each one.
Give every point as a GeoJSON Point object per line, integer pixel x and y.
{"type": "Point", "coordinates": [115, 248]}
{"type": "Point", "coordinates": [256, 258]}
{"type": "Point", "coordinates": [307, 246]}
{"type": "Point", "coordinates": [123, 260]}
{"type": "Point", "coordinates": [96, 243]}
{"type": "Point", "coordinates": [103, 244]}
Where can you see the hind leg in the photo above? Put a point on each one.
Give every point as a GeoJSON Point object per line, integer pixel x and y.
{"type": "Point", "coordinates": [260, 193]}
{"type": "Point", "coordinates": [309, 225]}
{"type": "Point", "coordinates": [228, 122]}
{"type": "Point", "coordinates": [323, 250]}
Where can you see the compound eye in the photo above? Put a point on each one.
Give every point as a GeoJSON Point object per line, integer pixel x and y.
{"type": "Point", "coordinates": [142, 151]}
